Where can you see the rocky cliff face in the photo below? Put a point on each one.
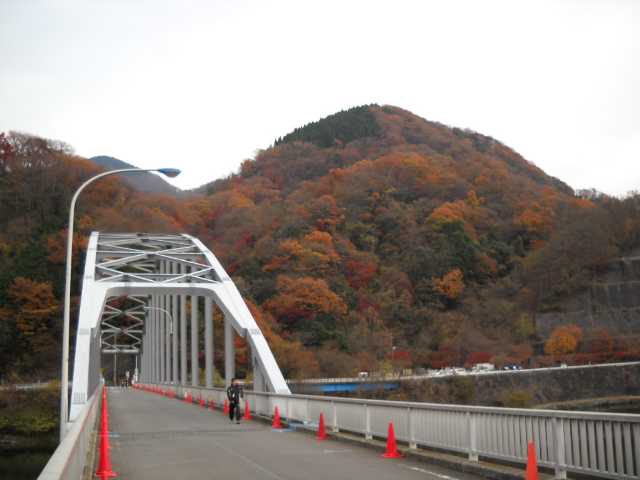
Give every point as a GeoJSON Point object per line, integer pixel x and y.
{"type": "Point", "coordinates": [524, 388]}
{"type": "Point", "coordinates": [612, 302]}
{"type": "Point", "coordinates": [559, 385]}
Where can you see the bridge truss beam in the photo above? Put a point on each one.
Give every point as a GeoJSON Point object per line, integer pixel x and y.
{"type": "Point", "coordinates": [141, 293]}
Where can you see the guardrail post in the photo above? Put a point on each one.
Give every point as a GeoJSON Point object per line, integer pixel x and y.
{"type": "Point", "coordinates": [473, 447]}
{"type": "Point", "coordinates": [335, 417]}
{"type": "Point", "coordinates": [560, 467]}
{"type": "Point", "coordinates": [367, 422]}
{"type": "Point", "coordinates": [410, 429]}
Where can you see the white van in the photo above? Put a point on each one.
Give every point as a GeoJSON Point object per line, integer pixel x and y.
{"type": "Point", "coordinates": [483, 367]}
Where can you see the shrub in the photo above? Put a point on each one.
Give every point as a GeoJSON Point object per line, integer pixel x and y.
{"type": "Point", "coordinates": [517, 398]}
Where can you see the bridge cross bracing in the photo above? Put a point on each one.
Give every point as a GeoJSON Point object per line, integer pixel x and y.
{"type": "Point", "coordinates": [142, 294]}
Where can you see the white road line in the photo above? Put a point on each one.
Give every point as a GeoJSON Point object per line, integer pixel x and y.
{"type": "Point", "coordinates": [250, 462]}
{"type": "Point", "coordinates": [428, 472]}
{"type": "Point", "coordinates": [336, 451]}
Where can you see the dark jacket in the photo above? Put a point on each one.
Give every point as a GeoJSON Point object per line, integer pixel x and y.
{"type": "Point", "coordinates": [235, 393]}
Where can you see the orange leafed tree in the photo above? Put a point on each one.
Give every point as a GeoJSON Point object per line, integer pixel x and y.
{"type": "Point", "coordinates": [314, 253]}
{"type": "Point", "coordinates": [304, 297]}
{"type": "Point", "coordinates": [57, 246]}
{"type": "Point", "coordinates": [458, 211]}
{"type": "Point", "coordinates": [450, 285]}
{"type": "Point", "coordinates": [360, 273]}
{"type": "Point", "coordinates": [33, 309]}
{"type": "Point", "coordinates": [449, 212]}
{"type": "Point", "coordinates": [537, 218]}
{"type": "Point", "coordinates": [563, 340]}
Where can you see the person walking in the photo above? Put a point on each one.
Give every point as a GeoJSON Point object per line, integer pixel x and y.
{"type": "Point", "coordinates": [234, 394]}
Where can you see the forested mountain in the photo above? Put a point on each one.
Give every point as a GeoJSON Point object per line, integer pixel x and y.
{"type": "Point", "coordinates": [372, 239]}
{"type": "Point", "coordinates": [143, 182]}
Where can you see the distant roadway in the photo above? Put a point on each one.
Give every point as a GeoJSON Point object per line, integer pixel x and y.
{"type": "Point", "coordinates": [444, 373]}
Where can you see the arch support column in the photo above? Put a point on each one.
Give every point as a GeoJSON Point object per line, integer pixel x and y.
{"type": "Point", "coordinates": [194, 342]}
{"type": "Point", "coordinates": [208, 342]}
{"type": "Point", "coordinates": [229, 353]}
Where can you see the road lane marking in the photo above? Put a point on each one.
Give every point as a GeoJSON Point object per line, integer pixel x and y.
{"type": "Point", "coordinates": [428, 472]}
{"type": "Point", "coordinates": [250, 462]}
{"type": "Point", "coordinates": [336, 451]}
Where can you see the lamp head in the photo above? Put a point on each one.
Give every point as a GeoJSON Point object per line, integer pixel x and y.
{"type": "Point", "coordinates": [169, 172]}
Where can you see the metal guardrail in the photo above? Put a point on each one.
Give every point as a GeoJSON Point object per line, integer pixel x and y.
{"type": "Point", "coordinates": [373, 378]}
{"type": "Point", "coordinates": [605, 445]}
{"type": "Point", "coordinates": [68, 460]}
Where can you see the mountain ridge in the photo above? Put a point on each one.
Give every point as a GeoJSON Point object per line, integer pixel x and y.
{"type": "Point", "coordinates": [388, 127]}
{"type": "Point", "coordinates": [440, 242]}
{"type": "Point", "coordinates": [146, 182]}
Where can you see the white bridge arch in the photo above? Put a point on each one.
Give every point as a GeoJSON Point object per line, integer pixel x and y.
{"type": "Point", "coordinates": [157, 273]}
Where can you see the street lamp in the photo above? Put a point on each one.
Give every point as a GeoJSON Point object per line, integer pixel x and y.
{"type": "Point", "coordinates": [64, 383]}
{"type": "Point", "coordinates": [166, 312]}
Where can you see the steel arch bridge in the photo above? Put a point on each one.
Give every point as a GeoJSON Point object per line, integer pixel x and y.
{"type": "Point", "coordinates": [166, 281]}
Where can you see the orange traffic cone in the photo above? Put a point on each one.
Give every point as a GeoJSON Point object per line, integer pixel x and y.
{"type": "Point", "coordinates": [247, 411]}
{"type": "Point", "coordinates": [322, 434]}
{"type": "Point", "coordinates": [532, 465]}
{"type": "Point", "coordinates": [392, 446]}
{"type": "Point", "coordinates": [104, 420]}
{"type": "Point", "coordinates": [212, 404]}
{"type": "Point", "coordinates": [104, 467]}
{"type": "Point", "coordinates": [277, 423]}
{"type": "Point", "coordinates": [201, 402]}
{"type": "Point", "coordinates": [225, 409]}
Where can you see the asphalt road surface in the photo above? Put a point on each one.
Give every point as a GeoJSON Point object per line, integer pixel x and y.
{"type": "Point", "coordinates": [155, 438]}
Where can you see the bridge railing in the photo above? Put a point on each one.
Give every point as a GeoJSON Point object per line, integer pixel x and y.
{"type": "Point", "coordinates": [374, 378]}
{"type": "Point", "coordinates": [600, 444]}
{"type": "Point", "coordinates": [69, 459]}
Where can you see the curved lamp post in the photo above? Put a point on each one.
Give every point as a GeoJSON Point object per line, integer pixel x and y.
{"type": "Point", "coordinates": [64, 383]}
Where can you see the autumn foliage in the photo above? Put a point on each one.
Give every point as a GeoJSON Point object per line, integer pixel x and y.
{"type": "Point", "coordinates": [302, 298]}
{"type": "Point", "coordinates": [563, 340]}
{"type": "Point", "coordinates": [369, 230]}
{"type": "Point", "coordinates": [451, 285]}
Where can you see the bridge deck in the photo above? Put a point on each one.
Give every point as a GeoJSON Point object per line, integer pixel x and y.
{"type": "Point", "coordinates": [158, 438]}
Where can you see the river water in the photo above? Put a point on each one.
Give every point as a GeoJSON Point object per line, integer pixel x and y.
{"type": "Point", "coordinates": [22, 465]}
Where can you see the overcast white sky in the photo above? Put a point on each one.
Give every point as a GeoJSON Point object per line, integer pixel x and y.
{"type": "Point", "coordinates": [203, 84]}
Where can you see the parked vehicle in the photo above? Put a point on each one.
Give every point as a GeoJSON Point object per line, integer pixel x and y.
{"type": "Point", "coordinates": [483, 367]}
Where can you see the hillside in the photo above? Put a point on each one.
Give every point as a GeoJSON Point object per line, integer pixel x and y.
{"type": "Point", "coordinates": [375, 228]}
{"type": "Point", "coordinates": [372, 239]}
{"type": "Point", "coordinates": [143, 182]}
